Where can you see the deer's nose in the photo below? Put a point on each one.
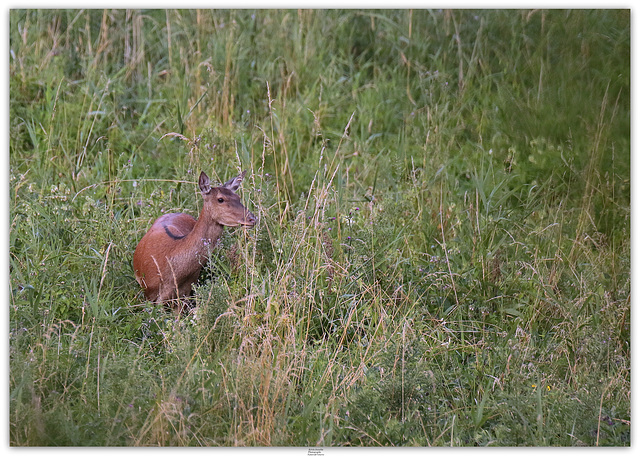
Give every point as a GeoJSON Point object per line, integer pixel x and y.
{"type": "Point", "coordinates": [250, 219]}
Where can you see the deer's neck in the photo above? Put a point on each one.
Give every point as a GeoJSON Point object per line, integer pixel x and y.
{"type": "Point", "coordinates": [204, 236]}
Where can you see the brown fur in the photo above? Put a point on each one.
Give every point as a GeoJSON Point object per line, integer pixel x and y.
{"type": "Point", "coordinates": [169, 257]}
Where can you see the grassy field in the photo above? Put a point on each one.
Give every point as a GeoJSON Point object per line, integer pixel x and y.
{"type": "Point", "coordinates": [442, 256]}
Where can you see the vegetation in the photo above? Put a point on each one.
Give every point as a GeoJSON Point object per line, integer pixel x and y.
{"type": "Point", "coordinates": [442, 256]}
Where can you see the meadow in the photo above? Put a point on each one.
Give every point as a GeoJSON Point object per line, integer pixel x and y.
{"type": "Point", "coordinates": [442, 254]}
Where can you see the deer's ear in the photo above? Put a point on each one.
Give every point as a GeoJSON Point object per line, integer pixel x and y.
{"type": "Point", "coordinates": [205, 183]}
{"type": "Point", "coordinates": [234, 183]}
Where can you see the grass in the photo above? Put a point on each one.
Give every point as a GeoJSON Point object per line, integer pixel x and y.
{"type": "Point", "coordinates": [442, 256]}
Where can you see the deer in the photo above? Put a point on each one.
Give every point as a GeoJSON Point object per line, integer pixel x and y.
{"type": "Point", "coordinates": [169, 257]}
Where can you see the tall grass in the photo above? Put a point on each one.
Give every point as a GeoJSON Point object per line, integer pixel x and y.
{"type": "Point", "coordinates": [443, 247]}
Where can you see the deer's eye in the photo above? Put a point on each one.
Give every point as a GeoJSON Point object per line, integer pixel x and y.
{"type": "Point", "coordinates": [221, 200]}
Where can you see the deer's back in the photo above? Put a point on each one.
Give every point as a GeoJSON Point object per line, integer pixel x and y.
{"type": "Point", "coordinates": [174, 226]}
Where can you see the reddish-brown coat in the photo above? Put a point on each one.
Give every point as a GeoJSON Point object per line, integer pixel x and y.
{"type": "Point", "coordinates": [169, 257]}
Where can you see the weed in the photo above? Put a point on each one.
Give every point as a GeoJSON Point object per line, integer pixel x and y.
{"type": "Point", "coordinates": [442, 254]}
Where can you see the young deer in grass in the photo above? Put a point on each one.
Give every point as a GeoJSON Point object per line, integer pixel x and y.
{"type": "Point", "coordinates": [168, 259]}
